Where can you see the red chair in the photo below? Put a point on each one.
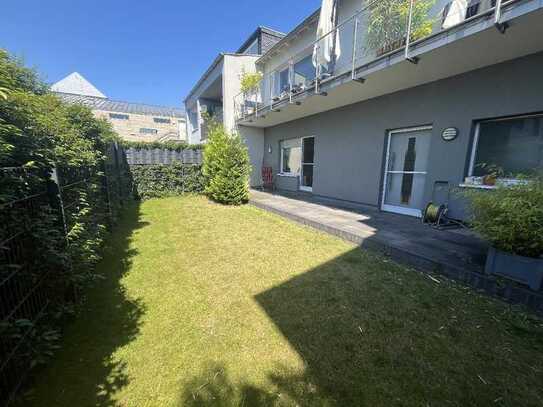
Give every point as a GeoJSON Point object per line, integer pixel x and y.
{"type": "Point", "coordinates": [267, 178]}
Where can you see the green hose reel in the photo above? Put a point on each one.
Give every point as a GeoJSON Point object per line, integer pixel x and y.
{"type": "Point", "coordinates": [433, 214]}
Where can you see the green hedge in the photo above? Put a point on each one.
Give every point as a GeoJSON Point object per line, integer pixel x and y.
{"type": "Point", "coordinates": [157, 181]}
{"type": "Point", "coordinates": [38, 131]}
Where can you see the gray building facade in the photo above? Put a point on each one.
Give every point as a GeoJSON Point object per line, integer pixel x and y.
{"type": "Point", "coordinates": [351, 142]}
{"type": "Point", "coordinates": [408, 118]}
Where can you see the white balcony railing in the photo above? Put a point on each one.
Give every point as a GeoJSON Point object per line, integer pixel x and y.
{"type": "Point", "coordinates": [382, 27]}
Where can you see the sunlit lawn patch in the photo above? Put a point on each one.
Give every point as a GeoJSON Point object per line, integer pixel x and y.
{"type": "Point", "coordinates": [205, 305]}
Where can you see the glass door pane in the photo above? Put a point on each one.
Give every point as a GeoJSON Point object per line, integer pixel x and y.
{"type": "Point", "coordinates": [405, 175]}
{"type": "Point", "coordinates": [307, 178]}
{"type": "Point", "coordinates": [308, 162]}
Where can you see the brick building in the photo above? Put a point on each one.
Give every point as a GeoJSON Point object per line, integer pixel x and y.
{"type": "Point", "coordinates": [132, 121]}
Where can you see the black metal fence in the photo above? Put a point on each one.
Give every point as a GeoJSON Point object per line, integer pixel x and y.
{"type": "Point", "coordinates": [37, 211]}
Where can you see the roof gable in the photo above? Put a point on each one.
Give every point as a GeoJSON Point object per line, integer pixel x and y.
{"type": "Point", "coordinates": [76, 84]}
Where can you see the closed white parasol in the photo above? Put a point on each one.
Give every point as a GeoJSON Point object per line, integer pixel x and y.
{"type": "Point", "coordinates": [328, 46]}
{"type": "Point", "coordinates": [456, 13]}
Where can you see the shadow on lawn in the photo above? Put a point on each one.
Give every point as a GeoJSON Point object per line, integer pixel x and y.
{"type": "Point", "coordinates": [109, 320]}
{"type": "Point", "coordinates": [215, 388]}
{"type": "Point", "coordinates": [372, 333]}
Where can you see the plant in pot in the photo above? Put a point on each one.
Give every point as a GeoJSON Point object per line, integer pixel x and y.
{"type": "Point", "coordinates": [250, 82]}
{"type": "Point", "coordinates": [511, 219]}
{"type": "Point", "coordinates": [388, 21]}
{"type": "Point", "coordinates": [493, 173]}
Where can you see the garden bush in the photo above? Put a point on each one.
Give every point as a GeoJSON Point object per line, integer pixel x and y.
{"type": "Point", "coordinates": [226, 167]}
{"type": "Point", "coordinates": [511, 217]}
{"type": "Point", "coordinates": [38, 132]}
{"type": "Point", "coordinates": [157, 181]}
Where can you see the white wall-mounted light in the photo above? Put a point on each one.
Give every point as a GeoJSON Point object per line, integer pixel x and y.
{"type": "Point", "coordinates": [269, 148]}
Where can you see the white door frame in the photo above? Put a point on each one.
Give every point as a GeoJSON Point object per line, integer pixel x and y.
{"type": "Point", "coordinates": [393, 208]}
{"type": "Point", "coordinates": [302, 188]}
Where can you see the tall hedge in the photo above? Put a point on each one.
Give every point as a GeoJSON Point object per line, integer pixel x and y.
{"type": "Point", "coordinates": [158, 181]}
{"type": "Point", "coordinates": [37, 132]}
{"type": "Point", "coordinates": [226, 167]}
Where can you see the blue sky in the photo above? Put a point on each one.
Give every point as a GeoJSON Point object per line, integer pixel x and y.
{"type": "Point", "coordinates": [138, 50]}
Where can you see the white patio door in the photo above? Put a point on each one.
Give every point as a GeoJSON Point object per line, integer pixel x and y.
{"type": "Point", "coordinates": [406, 170]}
{"type": "Point", "coordinates": [308, 164]}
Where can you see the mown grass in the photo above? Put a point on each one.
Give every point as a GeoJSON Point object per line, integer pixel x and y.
{"type": "Point", "coordinates": [205, 305]}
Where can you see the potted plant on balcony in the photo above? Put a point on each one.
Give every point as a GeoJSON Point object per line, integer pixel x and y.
{"type": "Point", "coordinates": [250, 81]}
{"type": "Point", "coordinates": [388, 21]}
{"type": "Point", "coordinates": [511, 219]}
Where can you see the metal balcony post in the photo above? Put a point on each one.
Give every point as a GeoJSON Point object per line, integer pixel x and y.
{"type": "Point", "coordinates": [317, 67]}
{"type": "Point", "coordinates": [409, 29]}
{"type": "Point", "coordinates": [355, 47]}
{"type": "Point", "coordinates": [502, 27]}
{"type": "Point", "coordinates": [290, 77]}
{"type": "Point", "coordinates": [256, 101]}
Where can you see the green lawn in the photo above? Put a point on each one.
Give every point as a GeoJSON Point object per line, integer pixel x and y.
{"type": "Point", "coordinates": [205, 305]}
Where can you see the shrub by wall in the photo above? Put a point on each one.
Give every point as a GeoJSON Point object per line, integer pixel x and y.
{"type": "Point", "coordinates": [158, 181]}
{"type": "Point", "coordinates": [226, 167]}
{"type": "Point", "coordinates": [511, 218]}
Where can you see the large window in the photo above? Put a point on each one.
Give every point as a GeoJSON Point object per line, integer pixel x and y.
{"type": "Point", "coordinates": [291, 156]}
{"type": "Point", "coordinates": [145, 130]}
{"type": "Point", "coordinates": [193, 120]}
{"type": "Point", "coordinates": [252, 49]}
{"type": "Point", "coordinates": [281, 82]}
{"type": "Point", "coordinates": [118, 116]}
{"type": "Point", "coordinates": [304, 71]}
{"type": "Point", "coordinates": [508, 147]}
{"type": "Point", "coordinates": [161, 120]}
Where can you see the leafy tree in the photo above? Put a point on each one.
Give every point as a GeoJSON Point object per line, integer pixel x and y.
{"type": "Point", "coordinates": [226, 167]}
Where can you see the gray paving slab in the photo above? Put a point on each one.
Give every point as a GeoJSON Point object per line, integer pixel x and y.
{"type": "Point", "coordinates": [405, 238]}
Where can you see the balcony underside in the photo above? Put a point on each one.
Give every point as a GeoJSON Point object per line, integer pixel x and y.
{"type": "Point", "coordinates": [474, 45]}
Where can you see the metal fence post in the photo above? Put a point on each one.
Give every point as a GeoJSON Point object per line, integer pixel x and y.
{"type": "Point", "coordinates": [54, 191]}
{"type": "Point", "coordinates": [105, 188]}
{"type": "Point", "coordinates": [118, 172]}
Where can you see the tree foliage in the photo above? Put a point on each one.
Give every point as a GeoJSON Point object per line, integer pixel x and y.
{"type": "Point", "coordinates": [38, 132]}
{"type": "Point", "coordinates": [37, 129]}
{"type": "Point", "coordinates": [226, 167]}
